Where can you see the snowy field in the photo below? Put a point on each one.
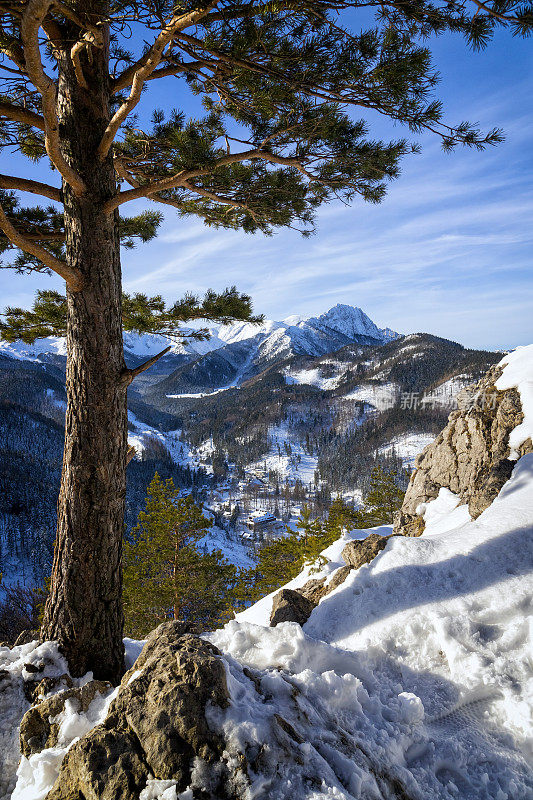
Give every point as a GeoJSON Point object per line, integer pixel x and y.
{"type": "Point", "coordinates": [407, 447]}
{"type": "Point", "coordinates": [424, 654]}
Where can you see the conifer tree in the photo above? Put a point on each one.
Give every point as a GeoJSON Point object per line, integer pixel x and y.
{"type": "Point", "coordinates": [382, 500]}
{"type": "Point", "coordinates": [166, 575]}
{"type": "Point", "coordinates": [274, 141]}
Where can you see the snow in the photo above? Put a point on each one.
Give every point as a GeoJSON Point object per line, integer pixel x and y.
{"type": "Point", "coordinates": [444, 513]}
{"type": "Point", "coordinates": [298, 465]}
{"type": "Point", "coordinates": [422, 658]}
{"type": "Point", "coordinates": [53, 345]}
{"type": "Point", "coordinates": [518, 374]}
{"type": "Point", "coordinates": [140, 345]}
{"type": "Point", "coordinates": [37, 774]}
{"type": "Point", "coordinates": [407, 446]}
{"type": "Point", "coordinates": [312, 377]}
{"type": "Point", "coordinates": [132, 650]}
{"type": "Point", "coordinates": [413, 675]}
{"type": "Point", "coordinates": [159, 790]}
{"type": "Point", "coordinates": [147, 344]}
{"type": "Point", "coordinates": [350, 321]}
{"type": "Point", "coordinates": [380, 396]}
{"type": "Point", "coordinates": [142, 435]}
{"type": "Point", "coordinates": [13, 704]}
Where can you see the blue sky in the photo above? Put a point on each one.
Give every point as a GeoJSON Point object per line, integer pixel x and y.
{"type": "Point", "coordinates": [449, 251]}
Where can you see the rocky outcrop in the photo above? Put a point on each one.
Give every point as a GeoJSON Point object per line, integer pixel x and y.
{"type": "Point", "coordinates": [296, 605]}
{"type": "Point", "coordinates": [314, 590]}
{"type": "Point", "coordinates": [362, 551]}
{"type": "Point", "coordinates": [39, 728]}
{"type": "Point", "coordinates": [290, 606]}
{"type": "Point", "coordinates": [470, 457]}
{"type": "Point", "coordinates": [156, 726]}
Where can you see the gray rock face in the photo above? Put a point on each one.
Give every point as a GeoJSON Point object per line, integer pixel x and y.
{"type": "Point", "coordinates": [315, 589]}
{"type": "Point", "coordinates": [296, 605]}
{"type": "Point", "coordinates": [156, 726]}
{"type": "Point", "coordinates": [38, 732]}
{"type": "Point", "coordinates": [357, 553]}
{"type": "Point", "coordinates": [290, 606]}
{"type": "Point", "coordinates": [470, 456]}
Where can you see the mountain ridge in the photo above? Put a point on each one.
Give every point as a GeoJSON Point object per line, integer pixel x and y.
{"type": "Point", "coordinates": [340, 321]}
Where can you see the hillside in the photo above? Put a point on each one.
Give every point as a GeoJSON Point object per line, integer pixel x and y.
{"type": "Point", "coordinates": [301, 429]}
{"type": "Point", "coordinates": [409, 680]}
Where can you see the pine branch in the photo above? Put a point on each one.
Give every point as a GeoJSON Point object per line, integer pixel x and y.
{"type": "Point", "coordinates": [145, 68]}
{"type": "Point", "coordinates": [140, 314]}
{"type": "Point", "coordinates": [26, 185]}
{"type": "Point", "coordinates": [73, 277]}
{"type": "Point", "coordinates": [23, 115]}
{"type": "Point", "coordinates": [32, 19]}
{"type": "Point", "coordinates": [181, 178]}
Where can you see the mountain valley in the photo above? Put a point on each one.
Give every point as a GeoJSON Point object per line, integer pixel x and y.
{"type": "Point", "coordinates": [257, 418]}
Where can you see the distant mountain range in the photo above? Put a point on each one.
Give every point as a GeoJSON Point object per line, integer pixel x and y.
{"type": "Point", "coordinates": [233, 354]}
{"type": "Point", "coordinates": [311, 336]}
{"type": "Point", "coordinates": [311, 400]}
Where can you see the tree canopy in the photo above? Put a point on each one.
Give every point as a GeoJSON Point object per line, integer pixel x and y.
{"type": "Point", "coordinates": [280, 85]}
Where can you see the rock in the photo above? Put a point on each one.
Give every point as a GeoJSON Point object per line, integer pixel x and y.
{"type": "Point", "coordinates": [36, 729]}
{"type": "Point", "coordinates": [33, 668]}
{"type": "Point", "coordinates": [156, 726]}
{"type": "Point", "coordinates": [314, 590]}
{"type": "Point", "coordinates": [362, 551]}
{"type": "Point", "coordinates": [470, 457]}
{"type": "Point", "coordinates": [339, 576]}
{"type": "Point", "coordinates": [290, 606]}
{"type": "Point", "coordinates": [296, 605]}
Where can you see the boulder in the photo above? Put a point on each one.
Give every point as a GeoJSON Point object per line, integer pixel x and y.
{"type": "Point", "coordinates": [470, 457]}
{"type": "Point", "coordinates": [38, 730]}
{"type": "Point", "coordinates": [362, 551]}
{"type": "Point", "coordinates": [290, 606]}
{"type": "Point", "coordinates": [315, 589]}
{"type": "Point", "coordinates": [339, 576]}
{"type": "Point", "coordinates": [156, 726]}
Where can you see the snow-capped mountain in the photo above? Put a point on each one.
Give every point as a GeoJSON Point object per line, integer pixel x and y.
{"type": "Point", "coordinates": [341, 324]}
{"type": "Point", "coordinates": [250, 349]}
{"type": "Point", "coordinates": [313, 336]}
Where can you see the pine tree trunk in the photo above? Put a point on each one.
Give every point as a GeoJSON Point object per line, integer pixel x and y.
{"type": "Point", "coordinates": [84, 609]}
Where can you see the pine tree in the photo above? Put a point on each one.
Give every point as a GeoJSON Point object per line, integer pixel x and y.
{"type": "Point", "coordinates": [383, 499]}
{"type": "Point", "coordinates": [166, 574]}
{"type": "Point", "coordinates": [274, 141]}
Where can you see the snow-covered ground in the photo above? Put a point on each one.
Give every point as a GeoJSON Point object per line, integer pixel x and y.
{"type": "Point", "coordinates": [313, 377]}
{"type": "Point", "coordinates": [143, 434]}
{"type": "Point", "coordinates": [424, 656]}
{"type": "Point", "coordinates": [296, 465]}
{"type": "Point", "coordinates": [379, 396]}
{"type": "Point", "coordinates": [416, 671]}
{"type": "Point", "coordinates": [407, 447]}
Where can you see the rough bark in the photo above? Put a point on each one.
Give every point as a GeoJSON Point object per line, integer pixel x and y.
{"type": "Point", "coordinates": [84, 611]}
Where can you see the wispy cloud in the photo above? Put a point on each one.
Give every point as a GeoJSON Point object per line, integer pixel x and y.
{"type": "Point", "coordinates": [449, 251]}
